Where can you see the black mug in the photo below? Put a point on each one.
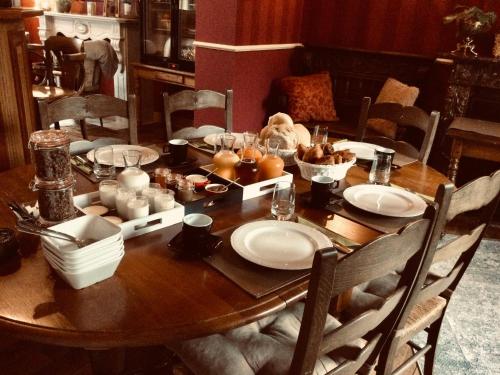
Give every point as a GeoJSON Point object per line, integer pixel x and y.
{"type": "Point", "coordinates": [196, 228]}
{"type": "Point", "coordinates": [178, 150]}
{"type": "Point", "coordinates": [322, 189]}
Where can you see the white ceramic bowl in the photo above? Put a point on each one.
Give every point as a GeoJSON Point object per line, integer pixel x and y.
{"type": "Point", "coordinates": [85, 227]}
{"type": "Point", "coordinates": [337, 171]}
{"type": "Point", "coordinates": [73, 265]}
{"type": "Point", "coordinates": [88, 276]}
{"type": "Point", "coordinates": [84, 252]}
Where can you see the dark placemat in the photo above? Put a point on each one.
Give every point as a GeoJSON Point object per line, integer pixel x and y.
{"type": "Point", "coordinates": [341, 207]}
{"type": "Point", "coordinates": [256, 280]}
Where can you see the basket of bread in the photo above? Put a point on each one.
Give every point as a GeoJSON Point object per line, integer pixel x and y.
{"type": "Point", "coordinates": [322, 159]}
{"type": "Point", "coordinates": [281, 129]}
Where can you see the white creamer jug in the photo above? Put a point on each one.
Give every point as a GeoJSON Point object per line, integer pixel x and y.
{"type": "Point", "coordinates": [133, 178]}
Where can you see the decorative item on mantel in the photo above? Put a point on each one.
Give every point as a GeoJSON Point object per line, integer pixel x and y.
{"type": "Point", "coordinates": [62, 6]}
{"type": "Point", "coordinates": [470, 22]}
{"type": "Point", "coordinates": [496, 47]}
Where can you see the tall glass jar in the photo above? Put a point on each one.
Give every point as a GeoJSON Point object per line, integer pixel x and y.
{"type": "Point", "coordinates": [226, 159]}
{"type": "Point", "coordinates": [250, 142]}
{"type": "Point", "coordinates": [50, 154]}
{"type": "Point", "coordinates": [271, 165]}
{"type": "Point", "coordinates": [55, 200]}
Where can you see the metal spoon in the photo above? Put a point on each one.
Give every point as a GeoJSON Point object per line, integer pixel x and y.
{"type": "Point", "coordinates": [31, 229]}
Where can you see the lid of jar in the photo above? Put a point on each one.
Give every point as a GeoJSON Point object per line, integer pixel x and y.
{"type": "Point", "coordinates": [48, 139]}
{"type": "Point", "coordinates": [38, 184]}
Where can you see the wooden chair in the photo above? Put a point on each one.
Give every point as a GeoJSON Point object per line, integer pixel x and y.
{"type": "Point", "coordinates": [190, 100]}
{"type": "Point", "coordinates": [93, 106]}
{"type": "Point", "coordinates": [64, 71]}
{"type": "Point", "coordinates": [304, 337]}
{"type": "Point", "coordinates": [428, 301]}
{"type": "Point", "coordinates": [402, 116]}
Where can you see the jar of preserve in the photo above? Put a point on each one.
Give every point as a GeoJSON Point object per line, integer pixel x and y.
{"type": "Point", "coordinates": [271, 165]}
{"type": "Point", "coordinates": [185, 190]}
{"type": "Point", "coordinates": [50, 154]}
{"type": "Point", "coordinates": [55, 200]}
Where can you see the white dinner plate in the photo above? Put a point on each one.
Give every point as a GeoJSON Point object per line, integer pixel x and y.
{"type": "Point", "coordinates": [282, 245]}
{"type": "Point", "coordinates": [362, 150]}
{"type": "Point", "coordinates": [385, 200]}
{"type": "Point", "coordinates": [211, 139]}
{"type": "Point", "coordinates": [148, 155]}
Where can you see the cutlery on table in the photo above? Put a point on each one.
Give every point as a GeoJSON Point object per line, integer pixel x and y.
{"type": "Point", "coordinates": [30, 228]}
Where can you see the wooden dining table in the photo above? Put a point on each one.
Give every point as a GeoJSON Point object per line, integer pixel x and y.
{"type": "Point", "coordinates": [154, 297]}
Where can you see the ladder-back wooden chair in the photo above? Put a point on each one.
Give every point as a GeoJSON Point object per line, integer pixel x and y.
{"type": "Point", "coordinates": [304, 337]}
{"type": "Point", "coordinates": [93, 106]}
{"type": "Point", "coordinates": [189, 100]}
{"type": "Point", "coordinates": [64, 71]}
{"type": "Point", "coordinates": [402, 116]}
{"type": "Point", "coordinates": [428, 303]}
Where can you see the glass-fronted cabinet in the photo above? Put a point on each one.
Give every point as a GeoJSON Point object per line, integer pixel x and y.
{"type": "Point", "coordinates": [168, 33]}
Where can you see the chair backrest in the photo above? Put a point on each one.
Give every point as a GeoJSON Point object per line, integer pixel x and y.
{"type": "Point", "coordinates": [64, 59]}
{"type": "Point", "coordinates": [405, 116]}
{"type": "Point", "coordinates": [330, 278]}
{"type": "Point", "coordinates": [480, 197]}
{"type": "Point", "coordinates": [92, 106]}
{"type": "Point", "coordinates": [190, 100]}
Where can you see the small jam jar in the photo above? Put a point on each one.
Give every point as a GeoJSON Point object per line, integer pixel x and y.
{"type": "Point", "coordinates": [50, 154]}
{"type": "Point", "coordinates": [185, 190]}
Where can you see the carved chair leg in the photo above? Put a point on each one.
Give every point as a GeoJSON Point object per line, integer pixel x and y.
{"type": "Point", "coordinates": [456, 153]}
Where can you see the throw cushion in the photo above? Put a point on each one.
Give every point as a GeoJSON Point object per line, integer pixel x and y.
{"type": "Point", "coordinates": [395, 92]}
{"type": "Point", "coordinates": [310, 97]}
{"type": "Point", "coordinates": [262, 347]}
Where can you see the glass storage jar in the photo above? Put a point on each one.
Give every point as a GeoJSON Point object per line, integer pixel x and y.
{"type": "Point", "coordinates": [55, 200]}
{"type": "Point", "coordinates": [50, 154]}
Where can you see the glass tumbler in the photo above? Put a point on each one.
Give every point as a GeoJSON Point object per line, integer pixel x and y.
{"type": "Point", "coordinates": [283, 203]}
{"type": "Point", "coordinates": [104, 162]}
{"type": "Point", "coordinates": [380, 172]}
{"type": "Point", "coordinates": [320, 135]}
{"type": "Point", "coordinates": [132, 158]}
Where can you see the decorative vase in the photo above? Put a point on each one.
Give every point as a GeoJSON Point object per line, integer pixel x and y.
{"type": "Point", "coordinates": [63, 6]}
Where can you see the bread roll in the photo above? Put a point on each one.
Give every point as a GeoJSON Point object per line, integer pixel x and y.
{"type": "Point", "coordinates": [303, 135]}
{"type": "Point", "coordinates": [313, 154]}
{"type": "Point", "coordinates": [280, 118]}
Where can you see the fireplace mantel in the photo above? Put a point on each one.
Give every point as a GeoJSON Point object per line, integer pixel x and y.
{"type": "Point", "coordinates": [123, 34]}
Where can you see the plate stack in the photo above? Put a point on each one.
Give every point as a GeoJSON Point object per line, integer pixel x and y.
{"type": "Point", "coordinates": [81, 267]}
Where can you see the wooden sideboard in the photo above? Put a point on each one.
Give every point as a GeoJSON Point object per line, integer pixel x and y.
{"type": "Point", "coordinates": [17, 112]}
{"type": "Point", "coordinates": [158, 74]}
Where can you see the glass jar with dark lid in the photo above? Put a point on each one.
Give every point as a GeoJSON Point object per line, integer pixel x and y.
{"type": "Point", "coordinates": [8, 243]}
{"type": "Point", "coordinates": [50, 153]}
{"type": "Point", "coordinates": [55, 199]}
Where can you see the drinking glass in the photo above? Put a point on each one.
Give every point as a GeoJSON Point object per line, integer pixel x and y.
{"type": "Point", "coordinates": [320, 135]}
{"type": "Point", "coordinates": [137, 207]}
{"type": "Point", "coordinates": [380, 172]}
{"type": "Point", "coordinates": [104, 166]}
{"type": "Point", "coordinates": [123, 195]}
{"type": "Point", "coordinates": [107, 192]}
{"type": "Point", "coordinates": [132, 158]}
{"type": "Point", "coordinates": [283, 203]}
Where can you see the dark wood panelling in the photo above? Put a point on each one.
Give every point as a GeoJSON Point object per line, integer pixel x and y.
{"type": "Point", "coordinates": [269, 21]}
{"type": "Point", "coordinates": [411, 26]}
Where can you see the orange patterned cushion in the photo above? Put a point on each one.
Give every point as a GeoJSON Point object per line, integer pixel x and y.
{"type": "Point", "coordinates": [310, 97]}
{"type": "Point", "coordinates": [395, 92]}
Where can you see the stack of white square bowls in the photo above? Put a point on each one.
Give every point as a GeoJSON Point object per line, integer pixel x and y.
{"type": "Point", "coordinates": [81, 267]}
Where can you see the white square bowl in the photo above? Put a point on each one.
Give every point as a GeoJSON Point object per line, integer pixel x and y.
{"type": "Point", "coordinates": [84, 227]}
{"type": "Point", "coordinates": [84, 252]}
{"type": "Point", "coordinates": [88, 276]}
{"type": "Point", "coordinates": [81, 266]}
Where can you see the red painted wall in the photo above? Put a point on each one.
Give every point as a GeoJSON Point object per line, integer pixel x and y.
{"type": "Point", "coordinates": [410, 26]}
{"type": "Point", "coordinates": [249, 74]}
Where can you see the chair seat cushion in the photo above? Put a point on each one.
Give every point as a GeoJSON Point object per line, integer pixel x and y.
{"type": "Point", "coordinates": [202, 131]}
{"type": "Point", "coordinates": [263, 347]}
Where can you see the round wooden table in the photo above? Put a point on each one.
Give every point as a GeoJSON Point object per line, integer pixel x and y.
{"type": "Point", "coordinates": [153, 298]}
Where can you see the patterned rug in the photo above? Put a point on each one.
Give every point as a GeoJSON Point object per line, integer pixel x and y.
{"type": "Point", "coordinates": [468, 342]}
